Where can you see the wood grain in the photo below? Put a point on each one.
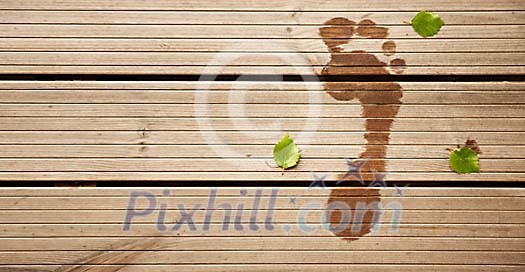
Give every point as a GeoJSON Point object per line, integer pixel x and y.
{"type": "Point", "coordinates": [81, 229]}
{"type": "Point", "coordinates": [255, 151]}
{"type": "Point", "coordinates": [244, 17]}
{"type": "Point", "coordinates": [150, 133]}
{"type": "Point", "coordinates": [231, 5]}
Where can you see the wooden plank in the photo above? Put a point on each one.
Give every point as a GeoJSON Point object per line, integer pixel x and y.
{"type": "Point", "coordinates": [239, 109]}
{"type": "Point", "coordinates": [281, 203]}
{"type": "Point", "coordinates": [119, 96]}
{"type": "Point", "coordinates": [145, 124]}
{"type": "Point", "coordinates": [258, 85]}
{"type": "Point", "coordinates": [284, 216]}
{"type": "Point", "coordinates": [492, 192]}
{"type": "Point", "coordinates": [227, 45]}
{"type": "Point", "coordinates": [269, 243]}
{"type": "Point", "coordinates": [473, 232]}
{"type": "Point", "coordinates": [267, 138]}
{"type": "Point", "coordinates": [240, 31]}
{"type": "Point", "coordinates": [150, 230]}
{"type": "Point", "coordinates": [245, 18]}
{"type": "Point", "coordinates": [255, 257]}
{"type": "Point", "coordinates": [253, 59]}
{"type": "Point", "coordinates": [271, 5]}
{"type": "Point", "coordinates": [234, 165]}
{"type": "Point", "coordinates": [253, 151]}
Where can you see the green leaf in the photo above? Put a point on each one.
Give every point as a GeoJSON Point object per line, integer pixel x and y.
{"type": "Point", "coordinates": [464, 161]}
{"type": "Point", "coordinates": [285, 153]}
{"type": "Point", "coordinates": [427, 24]}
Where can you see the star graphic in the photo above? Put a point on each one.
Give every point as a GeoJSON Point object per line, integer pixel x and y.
{"type": "Point", "coordinates": [292, 199]}
{"type": "Point", "coordinates": [354, 170]}
{"type": "Point", "coordinates": [318, 181]}
{"type": "Point", "coordinates": [399, 190]}
{"type": "Point", "coordinates": [379, 180]}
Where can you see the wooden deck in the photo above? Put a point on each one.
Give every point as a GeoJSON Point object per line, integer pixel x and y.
{"type": "Point", "coordinates": [171, 109]}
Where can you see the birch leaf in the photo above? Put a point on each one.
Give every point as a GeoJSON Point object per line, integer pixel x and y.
{"type": "Point", "coordinates": [464, 161]}
{"type": "Point", "coordinates": [427, 24]}
{"type": "Point", "coordinates": [285, 153]}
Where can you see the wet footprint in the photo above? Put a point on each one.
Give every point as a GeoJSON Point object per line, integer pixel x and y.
{"type": "Point", "coordinates": [380, 103]}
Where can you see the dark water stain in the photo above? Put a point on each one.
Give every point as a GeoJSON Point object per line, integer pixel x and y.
{"type": "Point", "coordinates": [358, 58]}
{"type": "Point", "coordinates": [473, 144]}
{"type": "Point", "coordinates": [368, 197]}
{"type": "Point", "coordinates": [368, 28]}
{"type": "Point", "coordinates": [398, 65]}
{"type": "Point", "coordinates": [380, 105]}
{"type": "Point", "coordinates": [389, 48]}
{"type": "Point", "coordinates": [339, 32]}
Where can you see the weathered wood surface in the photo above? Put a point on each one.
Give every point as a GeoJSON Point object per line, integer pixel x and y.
{"type": "Point", "coordinates": [441, 229]}
{"type": "Point", "coordinates": [207, 132]}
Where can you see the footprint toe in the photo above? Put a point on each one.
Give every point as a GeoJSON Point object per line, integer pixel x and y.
{"type": "Point", "coordinates": [368, 28]}
{"type": "Point", "coordinates": [389, 48]}
{"type": "Point", "coordinates": [398, 65]}
{"type": "Point", "coordinates": [338, 31]}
